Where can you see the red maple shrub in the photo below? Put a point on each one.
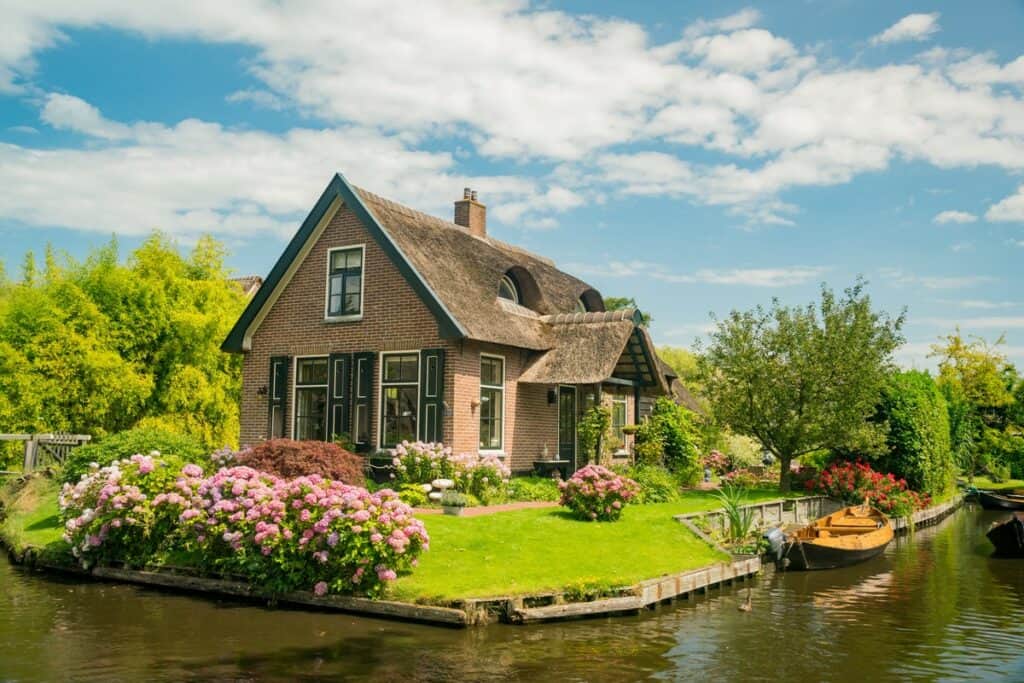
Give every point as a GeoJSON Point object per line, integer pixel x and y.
{"type": "Point", "coordinates": [289, 459]}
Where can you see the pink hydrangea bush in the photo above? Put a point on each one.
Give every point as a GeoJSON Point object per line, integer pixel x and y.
{"type": "Point", "coordinates": [306, 533]}
{"type": "Point", "coordinates": [109, 513]}
{"type": "Point", "coordinates": [485, 477]}
{"type": "Point", "coordinates": [597, 493]}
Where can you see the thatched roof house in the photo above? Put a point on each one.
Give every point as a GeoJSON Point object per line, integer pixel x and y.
{"type": "Point", "coordinates": [385, 323]}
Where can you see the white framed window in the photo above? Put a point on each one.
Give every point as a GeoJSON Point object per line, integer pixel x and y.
{"type": "Point", "coordinates": [310, 398]}
{"type": "Point", "coordinates": [492, 403]}
{"type": "Point", "coordinates": [345, 283]}
{"type": "Point", "coordinates": [619, 420]}
{"type": "Point", "coordinates": [399, 397]}
{"type": "Point", "coordinates": [507, 289]}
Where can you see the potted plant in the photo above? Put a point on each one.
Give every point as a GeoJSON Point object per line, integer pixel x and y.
{"type": "Point", "coordinates": [453, 502]}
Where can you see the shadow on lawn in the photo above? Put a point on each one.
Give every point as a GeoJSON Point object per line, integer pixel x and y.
{"type": "Point", "coordinates": [48, 523]}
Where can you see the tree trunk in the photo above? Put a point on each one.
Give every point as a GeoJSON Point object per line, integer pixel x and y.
{"type": "Point", "coordinates": [785, 475]}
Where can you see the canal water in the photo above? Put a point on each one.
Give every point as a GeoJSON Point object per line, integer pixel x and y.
{"type": "Point", "coordinates": [936, 606]}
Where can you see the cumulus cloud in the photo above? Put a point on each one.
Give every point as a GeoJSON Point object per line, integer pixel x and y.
{"type": "Point", "coordinates": [1009, 210]}
{"type": "Point", "coordinates": [576, 92]}
{"type": "Point", "coordinates": [196, 176]}
{"type": "Point", "coordinates": [954, 217]}
{"type": "Point", "coordinates": [910, 27]}
{"type": "Point", "coordinates": [749, 277]}
{"type": "Point", "coordinates": [903, 278]}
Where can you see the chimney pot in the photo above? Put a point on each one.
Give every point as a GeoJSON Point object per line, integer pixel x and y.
{"type": "Point", "coordinates": [471, 214]}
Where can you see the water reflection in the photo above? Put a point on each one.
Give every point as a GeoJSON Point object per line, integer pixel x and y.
{"type": "Point", "coordinates": [935, 606]}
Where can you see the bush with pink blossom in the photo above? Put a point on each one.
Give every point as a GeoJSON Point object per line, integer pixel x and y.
{"type": "Point", "coordinates": [306, 533]}
{"type": "Point", "coordinates": [484, 477]}
{"type": "Point", "coordinates": [597, 493]}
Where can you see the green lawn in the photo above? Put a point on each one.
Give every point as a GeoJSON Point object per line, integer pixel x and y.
{"type": "Point", "coordinates": [530, 551]}
{"type": "Point", "coordinates": [32, 519]}
{"type": "Point", "coordinates": [988, 484]}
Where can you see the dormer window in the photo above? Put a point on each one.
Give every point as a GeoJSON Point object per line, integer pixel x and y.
{"type": "Point", "coordinates": [345, 283]}
{"type": "Point", "coordinates": [580, 306]}
{"type": "Point", "coordinates": [507, 289]}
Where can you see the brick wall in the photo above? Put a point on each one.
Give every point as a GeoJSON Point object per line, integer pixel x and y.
{"type": "Point", "coordinates": [394, 318]}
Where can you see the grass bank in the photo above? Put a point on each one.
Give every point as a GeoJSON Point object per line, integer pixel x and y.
{"type": "Point", "coordinates": [30, 519]}
{"type": "Point", "coordinates": [989, 485]}
{"type": "Point", "coordinates": [508, 553]}
{"type": "Point", "coordinates": [533, 551]}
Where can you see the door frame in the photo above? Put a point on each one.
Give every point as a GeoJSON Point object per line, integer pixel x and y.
{"type": "Point", "coordinates": [575, 422]}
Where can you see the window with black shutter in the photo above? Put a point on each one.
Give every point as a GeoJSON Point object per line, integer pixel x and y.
{"type": "Point", "coordinates": [339, 396]}
{"type": "Point", "coordinates": [432, 395]}
{"type": "Point", "coordinates": [277, 391]}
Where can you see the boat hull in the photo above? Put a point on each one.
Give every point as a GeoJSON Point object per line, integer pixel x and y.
{"type": "Point", "coordinates": [993, 501]}
{"type": "Point", "coordinates": [810, 557]}
{"type": "Point", "coordinates": [1008, 537]}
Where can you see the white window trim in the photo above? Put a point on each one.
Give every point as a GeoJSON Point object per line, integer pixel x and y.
{"type": "Point", "coordinates": [507, 279]}
{"type": "Point", "coordinates": [295, 387]}
{"type": "Point", "coordinates": [500, 452]}
{"type": "Point", "coordinates": [362, 286]}
{"type": "Point", "coordinates": [380, 391]}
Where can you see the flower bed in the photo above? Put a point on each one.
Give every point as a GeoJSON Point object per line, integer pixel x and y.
{"type": "Point", "coordinates": [597, 493]}
{"type": "Point", "coordinates": [282, 534]}
{"type": "Point", "coordinates": [857, 482]}
{"type": "Point", "coordinates": [485, 478]}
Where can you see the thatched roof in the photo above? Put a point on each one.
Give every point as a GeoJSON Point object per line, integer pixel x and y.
{"type": "Point", "coordinates": [249, 283]}
{"type": "Point", "coordinates": [582, 354]}
{"type": "Point", "coordinates": [677, 390]}
{"type": "Point", "coordinates": [464, 272]}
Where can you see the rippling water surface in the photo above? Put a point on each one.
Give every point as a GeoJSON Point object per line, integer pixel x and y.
{"type": "Point", "coordinates": [936, 606]}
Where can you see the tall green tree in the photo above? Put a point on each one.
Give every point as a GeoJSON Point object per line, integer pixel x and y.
{"type": "Point", "coordinates": [801, 379]}
{"type": "Point", "coordinates": [99, 346]}
{"type": "Point", "coordinates": [617, 303]}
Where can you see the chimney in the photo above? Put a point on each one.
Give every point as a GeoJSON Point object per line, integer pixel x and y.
{"type": "Point", "coordinates": [471, 214]}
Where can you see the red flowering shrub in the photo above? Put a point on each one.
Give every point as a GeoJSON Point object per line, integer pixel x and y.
{"type": "Point", "coordinates": [287, 458]}
{"type": "Point", "coordinates": [717, 462]}
{"type": "Point", "coordinates": [855, 482]}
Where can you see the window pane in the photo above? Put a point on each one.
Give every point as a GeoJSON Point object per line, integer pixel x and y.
{"type": "Point", "coordinates": [351, 304]}
{"type": "Point", "coordinates": [310, 414]}
{"type": "Point", "coordinates": [506, 290]}
{"type": "Point", "coordinates": [399, 415]}
{"type": "Point", "coordinates": [492, 371]}
{"type": "Point", "coordinates": [619, 420]}
{"type": "Point", "coordinates": [354, 258]}
{"type": "Point", "coordinates": [490, 418]}
{"type": "Point", "coordinates": [362, 425]}
{"type": "Point", "coordinates": [353, 284]}
{"type": "Point", "coordinates": [403, 368]}
{"type": "Point", "coordinates": [312, 371]}
{"type": "Point", "coordinates": [338, 260]}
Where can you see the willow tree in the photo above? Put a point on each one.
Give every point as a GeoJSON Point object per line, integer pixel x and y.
{"type": "Point", "coordinates": [802, 379]}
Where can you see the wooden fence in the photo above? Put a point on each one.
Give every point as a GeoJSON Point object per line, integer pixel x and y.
{"type": "Point", "coordinates": [46, 449]}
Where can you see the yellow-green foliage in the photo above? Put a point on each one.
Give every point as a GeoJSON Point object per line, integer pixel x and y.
{"type": "Point", "coordinates": [97, 346]}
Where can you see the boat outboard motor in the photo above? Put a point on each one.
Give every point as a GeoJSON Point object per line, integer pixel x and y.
{"type": "Point", "coordinates": [776, 538]}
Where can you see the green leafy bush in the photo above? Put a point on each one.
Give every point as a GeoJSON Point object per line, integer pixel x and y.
{"type": "Point", "coordinates": [657, 484]}
{"type": "Point", "coordinates": [593, 432]}
{"type": "Point", "coordinates": [650, 446]}
{"type": "Point", "coordinates": [918, 442]}
{"type": "Point", "coordinates": [533, 489]}
{"type": "Point", "coordinates": [669, 438]}
{"type": "Point", "coordinates": [413, 495]}
{"type": "Point", "coordinates": [126, 444]}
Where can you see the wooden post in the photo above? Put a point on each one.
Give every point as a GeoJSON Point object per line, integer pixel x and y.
{"type": "Point", "coordinates": [30, 455]}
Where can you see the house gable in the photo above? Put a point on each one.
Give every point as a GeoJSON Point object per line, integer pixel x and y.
{"type": "Point", "coordinates": [337, 194]}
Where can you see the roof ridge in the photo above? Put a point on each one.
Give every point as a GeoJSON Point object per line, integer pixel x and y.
{"type": "Point", "coordinates": [624, 314]}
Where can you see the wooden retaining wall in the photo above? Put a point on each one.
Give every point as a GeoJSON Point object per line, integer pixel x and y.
{"type": "Point", "coordinates": [767, 514]}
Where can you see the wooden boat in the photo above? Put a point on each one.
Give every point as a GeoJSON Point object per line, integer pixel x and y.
{"type": "Point", "coordinates": [846, 537]}
{"type": "Point", "coordinates": [999, 501]}
{"type": "Point", "coordinates": [1008, 536]}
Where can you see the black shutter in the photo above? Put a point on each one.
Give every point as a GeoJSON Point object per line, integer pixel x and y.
{"type": "Point", "coordinates": [362, 400]}
{"type": "Point", "coordinates": [339, 395]}
{"type": "Point", "coordinates": [277, 392]}
{"type": "Point", "coordinates": [431, 395]}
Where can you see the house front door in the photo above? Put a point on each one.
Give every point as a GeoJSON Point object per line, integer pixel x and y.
{"type": "Point", "coordinates": [567, 425]}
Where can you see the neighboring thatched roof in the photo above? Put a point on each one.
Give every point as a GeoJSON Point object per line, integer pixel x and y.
{"type": "Point", "coordinates": [677, 390]}
{"type": "Point", "coordinates": [464, 272]}
{"type": "Point", "coordinates": [582, 354]}
{"type": "Point", "coordinates": [248, 283]}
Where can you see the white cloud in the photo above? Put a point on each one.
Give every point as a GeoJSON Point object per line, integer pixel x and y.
{"type": "Point", "coordinates": [903, 278]}
{"type": "Point", "coordinates": [197, 177]}
{"type": "Point", "coordinates": [259, 98]}
{"type": "Point", "coordinates": [71, 113]}
{"type": "Point", "coordinates": [982, 323]}
{"type": "Point", "coordinates": [509, 79]}
{"type": "Point", "coordinates": [954, 217]}
{"type": "Point", "coordinates": [982, 304]}
{"type": "Point", "coordinates": [1009, 209]}
{"type": "Point", "coordinates": [27, 130]}
{"type": "Point", "coordinates": [749, 277]}
{"type": "Point", "coordinates": [910, 27]}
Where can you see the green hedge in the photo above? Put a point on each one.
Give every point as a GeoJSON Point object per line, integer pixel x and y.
{"type": "Point", "coordinates": [918, 440]}
{"type": "Point", "coordinates": [126, 444]}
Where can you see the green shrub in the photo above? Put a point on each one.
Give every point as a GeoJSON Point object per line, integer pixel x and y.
{"type": "Point", "coordinates": [593, 432]}
{"type": "Point", "coordinates": [126, 444]}
{"type": "Point", "coordinates": [650, 447]}
{"type": "Point", "coordinates": [533, 489]}
{"type": "Point", "coordinates": [657, 484]}
{"type": "Point", "coordinates": [673, 427]}
{"type": "Point", "coordinates": [918, 441]}
{"type": "Point", "coordinates": [414, 495]}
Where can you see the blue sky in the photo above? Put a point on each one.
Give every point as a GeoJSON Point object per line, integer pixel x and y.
{"type": "Point", "coordinates": [697, 156]}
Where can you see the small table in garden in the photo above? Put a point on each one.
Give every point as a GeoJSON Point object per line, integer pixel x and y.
{"type": "Point", "coordinates": [545, 468]}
